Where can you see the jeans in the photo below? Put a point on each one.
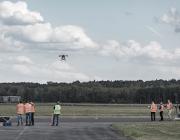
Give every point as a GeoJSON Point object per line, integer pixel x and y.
{"type": "Point", "coordinates": [55, 119]}
{"type": "Point", "coordinates": [19, 119]}
{"type": "Point", "coordinates": [28, 118]}
{"type": "Point", "coordinates": [153, 116]}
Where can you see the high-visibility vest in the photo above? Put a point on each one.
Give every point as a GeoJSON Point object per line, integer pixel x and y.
{"type": "Point", "coordinates": [57, 109]}
{"type": "Point", "coordinates": [153, 107]}
{"type": "Point", "coordinates": [20, 108]}
{"type": "Point", "coordinates": [161, 108]}
{"type": "Point", "coordinates": [27, 107]}
{"type": "Point", "coordinates": [169, 106]}
{"type": "Point", "coordinates": [32, 107]}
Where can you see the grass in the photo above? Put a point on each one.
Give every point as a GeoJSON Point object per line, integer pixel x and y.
{"type": "Point", "coordinates": [150, 131]}
{"type": "Point", "coordinates": [83, 110]}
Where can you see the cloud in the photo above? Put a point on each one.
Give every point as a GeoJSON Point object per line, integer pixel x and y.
{"type": "Point", "coordinates": [18, 14]}
{"type": "Point", "coordinates": [127, 13]}
{"type": "Point", "coordinates": [24, 60]}
{"type": "Point", "coordinates": [172, 17]}
{"type": "Point", "coordinates": [133, 50]}
{"type": "Point", "coordinates": [61, 66]}
{"type": "Point", "coordinates": [34, 33]}
{"type": "Point", "coordinates": [56, 71]}
{"type": "Point", "coordinates": [22, 64]}
{"type": "Point", "coordinates": [61, 71]}
{"type": "Point", "coordinates": [74, 34]}
{"type": "Point", "coordinates": [40, 33]}
{"type": "Point", "coordinates": [23, 69]}
{"type": "Point", "coordinates": [154, 31]}
{"type": "Point", "coordinates": [8, 44]}
{"type": "Point", "coordinates": [177, 29]}
{"type": "Point", "coordinates": [23, 29]}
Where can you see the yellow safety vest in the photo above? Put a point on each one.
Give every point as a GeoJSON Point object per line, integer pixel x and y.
{"type": "Point", "coordinates": [57, 109]}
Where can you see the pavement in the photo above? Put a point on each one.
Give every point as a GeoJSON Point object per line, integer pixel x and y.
{"type": "Point", "coordinates": [70, 128]}
{"type": "Point", "coordinates": [89, 119]}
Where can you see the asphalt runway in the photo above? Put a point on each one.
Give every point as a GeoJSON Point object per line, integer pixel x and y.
{"type": "Point", "coordinates": [46, 119]}
{"type": "Point", "coordinates": [71, 128]}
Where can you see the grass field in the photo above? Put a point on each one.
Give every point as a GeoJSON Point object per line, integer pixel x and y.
{"type": "Point", "coordinates": [150, 131]}
{"type": "Point", "coordinates": [83, 110]}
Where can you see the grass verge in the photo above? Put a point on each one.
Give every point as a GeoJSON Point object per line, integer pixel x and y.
{"type": "Point", "coordinates": [150, 131]}
{"type": "Point", "coordinates": [43, 109]}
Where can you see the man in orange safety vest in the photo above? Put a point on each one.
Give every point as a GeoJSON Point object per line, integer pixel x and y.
{"type": "Point", "coordinates": [153, 111]}
{"type": "Point", "coordinates": [28, 113]}
{"type": "Point", "coordinates": [20, 112]}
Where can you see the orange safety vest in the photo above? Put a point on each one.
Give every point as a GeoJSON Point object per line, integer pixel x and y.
{"type": "Point", "coordinates": [153, 107]}
{"type": "Point", "coordinates": [27, 107]}
{"type": "Point", "coordinates": [32, 107]}
{"type": "Point", "coordinates": [169, 106]}
{"type": "Point", "coordinates": [20, 108]}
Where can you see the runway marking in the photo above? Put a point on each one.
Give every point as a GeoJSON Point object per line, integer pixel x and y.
{"type": "Point", "coordinates": [21, 133]}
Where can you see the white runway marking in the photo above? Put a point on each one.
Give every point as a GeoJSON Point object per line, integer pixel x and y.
{"type": "Point", "coordinates": [21, 133]}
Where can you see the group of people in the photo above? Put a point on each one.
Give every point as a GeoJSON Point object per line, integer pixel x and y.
{"type": "Point", "coordinates": [28, 109]}
{"type": "Point", "coordinates": [154, 108]}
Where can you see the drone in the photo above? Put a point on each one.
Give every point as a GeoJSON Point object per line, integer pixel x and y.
{"type": "Point", "coordinates": [63, 57]}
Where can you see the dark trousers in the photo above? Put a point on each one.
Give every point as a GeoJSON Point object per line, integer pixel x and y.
{"type": "Point", "coordinates": [28, 118]}
{"type": "Point", "coordinates": [32, 118]}
{"type": "Point", "coordinates": [55, 119]}
{"type": "Point", "coordinates": [153, 116]}
{"type": "Point", "coordinates": [161, 115]}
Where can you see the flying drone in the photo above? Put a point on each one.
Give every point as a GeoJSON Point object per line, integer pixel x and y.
{"type": "Point", "coordinates": [63, 57]}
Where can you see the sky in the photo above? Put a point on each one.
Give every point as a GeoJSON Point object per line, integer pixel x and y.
{"type": "Point", "coordinates": [104, 40]}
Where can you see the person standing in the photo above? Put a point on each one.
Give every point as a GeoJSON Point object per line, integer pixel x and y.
{"type": "Point", "coordinates": [161, 110]}
{"type": "Point", "coordinates": [170, 109]}
{"type": "Point", "coordinates": [20, 112]}
{"type": "Point", "coordinates": [32, 112]}
{"type": "Point", "coordinates": [56, 113]}
{"type": "Point", "coordinates": [153, 111]}
{"type": "Point", "coordinates": [28, 113]}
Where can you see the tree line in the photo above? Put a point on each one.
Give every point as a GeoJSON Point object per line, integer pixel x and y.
{"type": "Point", "coordinates": [139, 91]}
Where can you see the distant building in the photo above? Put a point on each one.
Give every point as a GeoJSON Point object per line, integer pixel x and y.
{"type": "Point", "coordinates": [10, 99]}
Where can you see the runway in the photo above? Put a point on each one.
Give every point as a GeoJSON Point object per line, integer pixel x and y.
{"type": "Point", "coordinates": [70, 128]}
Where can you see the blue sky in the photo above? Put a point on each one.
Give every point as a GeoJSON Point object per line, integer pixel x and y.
{"type": "Point", "coordinates": [105, 19]}
{"type": "Point", "coordinates": [105, 40]}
